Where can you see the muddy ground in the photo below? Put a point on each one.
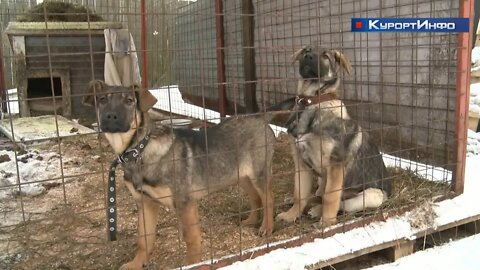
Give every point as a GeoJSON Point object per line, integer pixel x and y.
{"type": "Point", "coordinates": [64, 228]}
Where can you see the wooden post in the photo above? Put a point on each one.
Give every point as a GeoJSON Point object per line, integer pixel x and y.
{"type": "Point", "coordinates": [462, 96]}
{"type": "Point", "coordinates": [220, 47]}
{"type": "Point", "coordinates": [248, 44]}
{"type": "Point", "coordinates": [143, 37]}
{"type": "Point", "coordinates": [21, 74]}
{"type": "Point", "coordinates": [3, 86]}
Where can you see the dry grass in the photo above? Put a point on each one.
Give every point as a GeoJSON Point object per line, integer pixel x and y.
{"type": "Point", "coordinates": [409, 188]}
{"type": "Point", "coordinates": [57, 11]}
{"type": "Point", "coordinates": [71, 233]}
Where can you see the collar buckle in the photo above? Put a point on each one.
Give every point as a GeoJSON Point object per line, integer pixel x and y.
{"type": "Point", "coordinates": [129, 155]}
{"type": "Point", "coordinates": [134, 152]}
{"type": "Point", "coordinates": [299, 99]}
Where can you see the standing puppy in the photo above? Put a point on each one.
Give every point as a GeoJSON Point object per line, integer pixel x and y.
{"type": "Point", "coordinates": [177, 167]}
{"type": "Point", "coordinates": [329, 145]}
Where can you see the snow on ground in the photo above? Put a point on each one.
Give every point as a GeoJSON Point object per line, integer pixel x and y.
{"type": "Point", "coordinates": [170, 100]}
{"type": "Point", "coordinates": [475, 55]}
{"type": "Point", "coordinates": [425, 171]}
{"type": "Point", "coordinates": [473, 145]}
{"type": "Point", "coordinates": [12, 105]}
{"type": "Point", "coordinates": [33, 166]}
{"type": "Point", "coordinates": [475, 97]}
{"type": "Point", "coordinates": [462, 254]}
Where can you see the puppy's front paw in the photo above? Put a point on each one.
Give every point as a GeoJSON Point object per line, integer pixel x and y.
{"type": "Point", "coordinates": [289, 216]}
{"type": "Point", "coordinates": [292, 129]}
{"type": "Point", "coordinates": [265, 230]}
{"type": "Point", "coordinates": [315, 211]}
{"type": "Point", "coordinates": [132, 265]}
{"type": "Point", "coordinates": [324, 223]}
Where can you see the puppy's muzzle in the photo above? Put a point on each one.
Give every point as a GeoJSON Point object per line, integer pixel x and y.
{"type": "Point", "coordinates": [309, 65]}
{"type": "Point", "coordinates": [308, 56]}
{"type": "Point", "coordinates": [111, 122]}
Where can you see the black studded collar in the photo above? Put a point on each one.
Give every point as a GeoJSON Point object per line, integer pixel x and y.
{"type": "Point", "coordinates": [130, 155]}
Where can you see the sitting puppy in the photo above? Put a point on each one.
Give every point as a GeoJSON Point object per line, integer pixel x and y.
{"type": "Point", "coordinates": [177, 167]}
{"type": "Point", "coordinates": [329, 145]}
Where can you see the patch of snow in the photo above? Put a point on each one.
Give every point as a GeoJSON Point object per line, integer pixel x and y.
{"type": "Point", "coordinates": [475, 108]}
{"type": "Point", "coordinates": [44, 127]}
{"type": "Point", "coordinates": [474, 89]}
{"type": "Point", "coordinates": [33, 166]}
{"type": "Point", "coordinates": [12, 105]}
{"type": "Point", "coordinates": [461, 254]}
{"type": "Point", "coordinates": [423, 170]}
{"type": "Point", "coordinates": [475, 97]}
{"type": "Point", "coordinates": [473, 144]}
{"type": "Point", "coordinates": [331, 247]}
{"type": "Point", "coordinates": [472, 181]}
{"type": "Point", "coordinates": [475, 55]}
{"type": "Point", "coordinates": [170, 100]}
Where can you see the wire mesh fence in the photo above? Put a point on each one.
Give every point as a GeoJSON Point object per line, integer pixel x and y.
{"type": "Point", "coordinates": [215, 69]}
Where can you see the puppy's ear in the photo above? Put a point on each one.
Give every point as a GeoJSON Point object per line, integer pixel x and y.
{"type": "Point", "coordinates": [343, 60]}
{"type": "Point", "coordinates": [145, 99]}
{"type": "Point", "coordinates": [94, 87]}
{"type": "Point", "coordinates": [296, 55]}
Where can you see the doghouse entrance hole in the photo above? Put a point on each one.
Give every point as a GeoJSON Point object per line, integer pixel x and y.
{"type": "Point", "coordinates": [39, 94]}
{"type": "Point", "coordinates": [42, 87]}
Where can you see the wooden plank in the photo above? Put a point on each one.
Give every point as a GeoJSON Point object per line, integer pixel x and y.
{"type": "Point", "coordinates": [401, 249]}
{"type": "Point", "coordinates": [67, 26]}
{"type": "Point", "coordinates": [400, 246]}
{"type": "Point", "coordinates": [475, 80]}
{"type": "Point", "coordinates": [66, 43]}
{"type": "Point", "coordinates": [45, 127]}
{"type": "Point", "coordinates": [475, 73]}
{"type": "Point", "coordinates": [473, 227]}
{"type": "Point", "coordinates": [18, 43]}
{"type": "Point", "coordinates": [353, 255]}
{"type": "Point", "coordinates": [473, 118]}
{"type": "Point", "coordinates": [306, 238]}
{"type": "Point", "coordinates": [477, 41]}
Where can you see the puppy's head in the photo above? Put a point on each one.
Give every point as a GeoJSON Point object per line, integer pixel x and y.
{"type": "Point", "coordinates": [118, 108]}
{"type": "Point", "coordinates": [320, 63]}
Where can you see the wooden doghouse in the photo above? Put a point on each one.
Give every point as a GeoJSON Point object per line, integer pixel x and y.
{"type": "Point", "coordinates": [54, 63]}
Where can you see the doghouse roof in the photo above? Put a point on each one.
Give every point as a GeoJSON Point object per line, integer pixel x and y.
{"type": "Point", "coordinates": [33, 28]}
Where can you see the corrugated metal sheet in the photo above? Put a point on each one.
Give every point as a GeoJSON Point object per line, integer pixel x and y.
{"type": "Point", "coordinates": [407, 79]}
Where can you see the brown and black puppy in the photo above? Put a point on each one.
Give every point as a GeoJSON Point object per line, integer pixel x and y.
{"type": "Point", "coordinates": [329, 145]}
{"type": "Point", "coordinates": [180, 166]}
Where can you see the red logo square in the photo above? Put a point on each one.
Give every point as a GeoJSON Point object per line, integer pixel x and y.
{"type": "Point", "coordinates": [358, 25]}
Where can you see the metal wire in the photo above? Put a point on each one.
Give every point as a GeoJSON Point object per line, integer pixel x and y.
{"type": "Point", "coordinates": [402, 93]}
